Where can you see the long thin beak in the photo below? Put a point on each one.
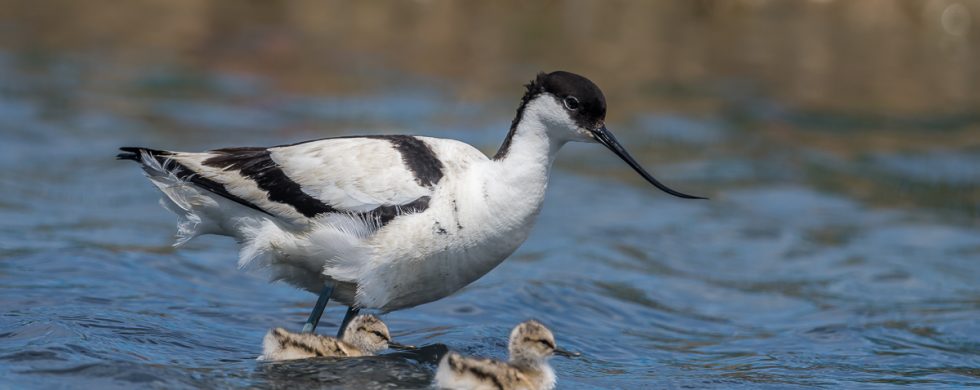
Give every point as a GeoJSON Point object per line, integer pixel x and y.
{"type": "Point", "coordinates": [606, 138]}
{"type": "Point", "coordinates": [568, 354]}
{"type": "Point", "coordinates": [401, 347]}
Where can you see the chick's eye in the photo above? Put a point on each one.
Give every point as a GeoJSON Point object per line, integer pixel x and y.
{"type": "Point", "coordinates": [571, 103]}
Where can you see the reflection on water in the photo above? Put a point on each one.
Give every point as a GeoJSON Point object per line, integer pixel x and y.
{"type": "Point", "coordinates": [840, 247]}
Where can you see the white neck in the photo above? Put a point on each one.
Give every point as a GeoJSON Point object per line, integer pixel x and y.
{"type": "Point", "coordinates": [519, 176]}
{"type": "Point", "coordinates": [508, 190]}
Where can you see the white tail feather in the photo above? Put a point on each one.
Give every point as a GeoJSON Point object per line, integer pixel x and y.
{"type": "Point", "coordinates": [333, 246]}
{"type": "Point", "coordinates": [180, 197]}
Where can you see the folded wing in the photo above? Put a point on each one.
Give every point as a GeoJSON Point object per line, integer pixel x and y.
{"type": "Point", "coordinates": [375, 177]}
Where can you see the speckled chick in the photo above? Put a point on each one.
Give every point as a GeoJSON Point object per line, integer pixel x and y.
{"type": "Point", "coordinates": [531, 345]}
{"type": "Point", "coordinates": [364, 336]}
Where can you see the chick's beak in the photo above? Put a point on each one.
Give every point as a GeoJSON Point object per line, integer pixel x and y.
{"type": "Point", "coordinates": [565, 353]}
{"type": "Point", "coordinates": [401, 347]}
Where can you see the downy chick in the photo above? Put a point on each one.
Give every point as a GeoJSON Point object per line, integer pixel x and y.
{"type": "Point", "coordinates": [365, 335]}
{"type": "Point", "coordinates": [531, 345]}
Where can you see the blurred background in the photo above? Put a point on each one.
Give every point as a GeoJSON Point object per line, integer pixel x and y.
{"type": "Point", "coordinates": [839, 142]}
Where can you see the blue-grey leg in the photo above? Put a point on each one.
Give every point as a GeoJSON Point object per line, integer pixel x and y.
{"type": "Point", "coordinates": [351, 313]}
{"type": "Point", "coordinates": [317, 312]}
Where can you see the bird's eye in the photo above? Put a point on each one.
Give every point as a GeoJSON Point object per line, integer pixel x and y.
{"type": "Point", "coordinates": [380, 335]}
{"type": "Point", "coordinates": [571, 103]}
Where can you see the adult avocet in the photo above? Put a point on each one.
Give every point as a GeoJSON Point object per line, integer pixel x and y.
{"type": "Point", "coordinates": [383, 222]}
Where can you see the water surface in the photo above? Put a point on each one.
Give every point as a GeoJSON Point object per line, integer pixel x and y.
{"type": "Point", "coordinates": [823, 258]}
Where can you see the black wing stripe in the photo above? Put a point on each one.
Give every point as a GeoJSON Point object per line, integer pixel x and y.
{"type": "Point", "coordinates": [418, 157]}
{"type": "Point", "coordinates": [184, 173]}
{"type": "Point", "coordinates": [385, 214]}
{"type": "Point", "coordinates": [257, 164]}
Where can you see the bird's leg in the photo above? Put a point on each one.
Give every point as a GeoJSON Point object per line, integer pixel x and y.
{"type": "Point", "coordinates": [351, 313]}
{"type": "Point", "coordinates": [317, 312]}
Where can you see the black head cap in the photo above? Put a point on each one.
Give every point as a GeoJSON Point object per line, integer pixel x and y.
{"type": "Point", "coordinates": [579, 95]}
{"type": "Point", "coordinates": [582, 99]}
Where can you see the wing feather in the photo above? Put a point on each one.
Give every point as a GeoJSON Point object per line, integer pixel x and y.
{"type": "Point", "coordinates": [355, 174]}
{"type": "Point", "coordinates": [370, 176]}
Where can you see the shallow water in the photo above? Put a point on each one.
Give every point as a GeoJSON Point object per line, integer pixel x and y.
{"type": "Point", "coordinates": [811, 265]}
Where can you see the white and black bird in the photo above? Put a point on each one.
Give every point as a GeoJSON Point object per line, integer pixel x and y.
{"type": "Point", "coordinates": [383, 222]}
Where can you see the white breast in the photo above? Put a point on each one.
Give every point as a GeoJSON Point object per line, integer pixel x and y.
{"type": "Point", "coordinates": [469, 228]}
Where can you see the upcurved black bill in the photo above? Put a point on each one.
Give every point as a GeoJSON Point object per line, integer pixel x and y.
{"type": "Point", "coordinates": [606, 138]}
